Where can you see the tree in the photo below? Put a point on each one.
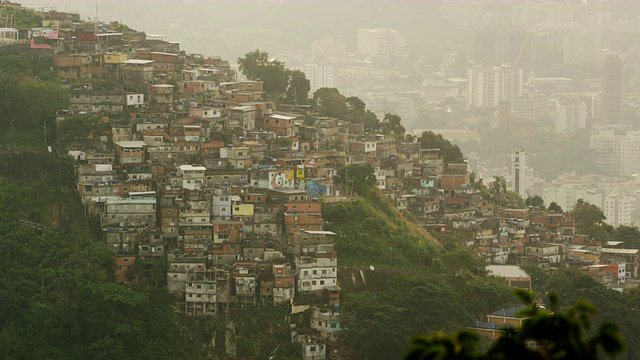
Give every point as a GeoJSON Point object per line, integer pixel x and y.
{"type": "Point", "coordinates": [252, 63]}
{"type": "Point", "coordinates": [535, 201]}
{"type": "Point", "coordinates": [359, 114]}
{"type": "Point", "coordinates": [298, 90]}
{"type": "Point", "coordinates": [589, 219]}
{"type": "Point", "coordinates": [329, 102]}
{"type": "Point", "coordinates": [514, 199]}
{"type": "Point", "coordinates": [29, 95]}
{"type": "Point", "coordinates": [556, 335]}
{"type": "Point", "coordinates": [356, 178]}
{"type": "Point", "coordinates": [498, 188]}
{"type": "Point", "coordinates": [448, 151]}
{"type": "Point", "coordinates": [555, 207]}
{"type": "Point", "coordinates": [630, 235]}
{"type": "Point", "coordinates": [273, 73]}
{"type": "Point", "coordinates": [355, 105]}
{"type": "Point", "coordinates": [392, 125]}
{"type": "Point", "coordinates": [79, 127]}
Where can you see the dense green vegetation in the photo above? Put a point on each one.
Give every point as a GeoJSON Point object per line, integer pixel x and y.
{"type": "Point", "coordinates": [381, 322]}
{"type": "Point", "coordinates": [372, 232]}
{"type": "Point", "coordinates": [22, 19]}
{"type": "Point", "coordinates": [29, 98]}
{"type": "Point", "coordinates": [418, 285]}
{"type": "Point", "coordinates": [59, 299]}
{"type": "Point", "coordinates": [544, 334]}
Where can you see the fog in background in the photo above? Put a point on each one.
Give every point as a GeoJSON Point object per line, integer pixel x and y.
{"type": "Point", "coordinates": [556, 105]}
{"type": "Point", "coordinates": [232, 28]}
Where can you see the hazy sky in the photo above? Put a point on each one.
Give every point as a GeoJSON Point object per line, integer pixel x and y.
{"type": "Point", "coordinates": [232, 28]}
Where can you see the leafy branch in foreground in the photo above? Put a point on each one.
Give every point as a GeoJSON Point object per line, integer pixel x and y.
{"type": "Point", "coordinates": [545, 334]}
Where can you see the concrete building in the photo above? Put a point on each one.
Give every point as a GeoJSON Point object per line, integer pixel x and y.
{"type": "Point", "coordinates": [619, 210]}
{"type": "Point", "coordinates": [501, 46]}
{"type": "Point", "coordinates": [513, 275]}
{"type": "Point", "coordinates": [518, 166]}
{"type": "Point", "coordinates": [531, 13]}
{"type": "Point", "coordinates": [328, 48]}
{"type": "Point", "coordinates": [320, 75]}
{"type": "Point", "coordinates": [582, 46]}
{"type": "Point", "coordinates": [381, 44]}
{"type": "Point", "coordinates": [619, 151]}
{"type": "Point", "coordinates": [567, 196]}
{"type": "Point", "coordinates": [487, 85]}
{"type": "Point", "coordinates": [571, 114]}
{"type": "Point", "coordinates": [461, 12]}
{"type": "Point", "coordinates": [532, 106]}
{"type": "Point", "coordinates": [612, 90]}
{"type": "Point", "coordinates": [405, 107]}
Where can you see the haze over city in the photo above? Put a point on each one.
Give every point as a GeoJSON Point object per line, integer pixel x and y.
{"type": "Point", "coordinates": [308, 179]}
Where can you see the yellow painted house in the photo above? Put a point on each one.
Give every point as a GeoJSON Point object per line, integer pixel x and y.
{"type": "Point", "coordinates": [114, 58]}
{"type": "Point", "coordinates": [242, 210]}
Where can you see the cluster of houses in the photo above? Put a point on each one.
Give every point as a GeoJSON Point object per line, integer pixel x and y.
{"type": "Point", "coordinates": [549, 240]}
{"type": "Point", "coordinates": [199, 169]}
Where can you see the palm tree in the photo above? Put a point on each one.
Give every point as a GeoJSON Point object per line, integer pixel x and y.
{"type": "Point", "coordinates": [498, 187]}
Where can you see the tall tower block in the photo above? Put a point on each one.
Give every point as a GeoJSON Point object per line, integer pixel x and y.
{"type": "Point", "coordinates": [612, 90]}
{"type": "Point", "coordinates": [518, 172]}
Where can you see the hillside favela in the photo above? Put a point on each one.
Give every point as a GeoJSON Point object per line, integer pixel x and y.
{"type": "Point", "coordinates": [320, 180]}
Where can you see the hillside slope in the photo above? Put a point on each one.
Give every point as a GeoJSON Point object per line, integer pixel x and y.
{"type": "Point", "coordinates": [371, 231]}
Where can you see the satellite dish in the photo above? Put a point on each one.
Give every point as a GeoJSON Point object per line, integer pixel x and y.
{"type": "Point", "coordinates": [371, 268]}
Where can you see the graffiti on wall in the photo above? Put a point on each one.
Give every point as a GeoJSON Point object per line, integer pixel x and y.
{"type": "Point", "coordinates": [315, 189]}
{"type": "Point", "coordinates": [281, 180]}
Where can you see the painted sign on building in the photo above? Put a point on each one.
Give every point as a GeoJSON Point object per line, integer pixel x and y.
{"type": "Point", "coordinates": [284, 179]}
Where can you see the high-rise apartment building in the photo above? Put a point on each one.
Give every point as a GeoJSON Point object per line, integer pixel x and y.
{"type": "Point", "coordinates": [619, 210]}
{"type": "Point", "coordinates": [461, 12]}
{"type": "Point", "coordinates": [518, 168]}
{"type": "Point", "coordinates": [328, 48]}
{"type": "Point", "coordinates": [581, 46]}
{"type": "Point", "coordinates": [320, 75]}
{"type": "Point", "coordinates": [489, 85]}
{"type": "Point", "coordinates": [571, 114]}
{"type": "Point", "coordinates": [612, 90]}
{"type": "Point", "coordinates": [497, 46]}
{"type": "Point", "coordinates": [381, 44]}
{"type": "Point", "coordinates": [533, 12]}
{"type": "Point", "coordinates": [619, 151]}
{"type": "Point", "coordinates": [532, 106]}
